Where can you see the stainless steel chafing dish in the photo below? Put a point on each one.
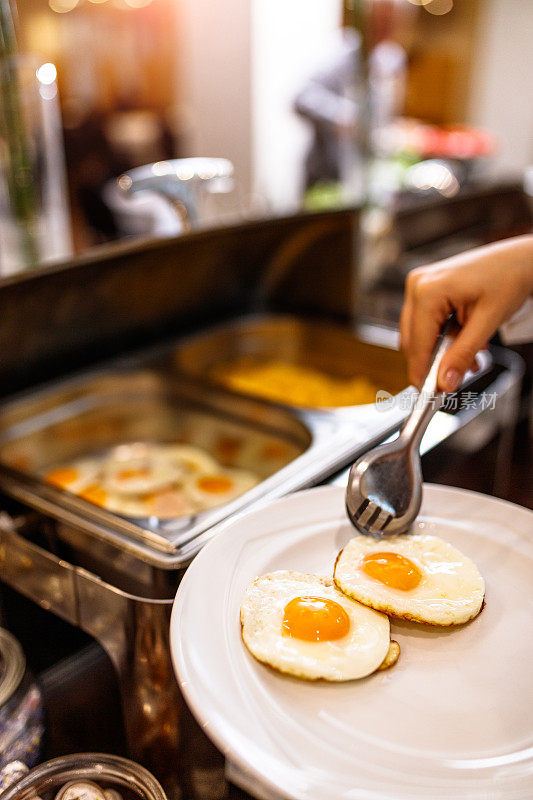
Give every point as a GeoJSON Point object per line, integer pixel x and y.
{"type": "Point", "coordinates": [115, 577]}
{"type": "Point", "coordinates": [153, 398]}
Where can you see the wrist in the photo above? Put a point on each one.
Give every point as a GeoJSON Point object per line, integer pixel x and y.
{"type": "Point", "coordinates": [524, 255]}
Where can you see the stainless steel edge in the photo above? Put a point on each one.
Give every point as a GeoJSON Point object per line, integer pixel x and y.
{"type": "Point", "coordinates": [133, 630]}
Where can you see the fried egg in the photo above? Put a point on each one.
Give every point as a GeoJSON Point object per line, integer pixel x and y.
{"type": "Point", "coordinates": [74, 477]}
{"type": "Point", "coordinates": [94, 493]}
{"type": "Point", "coordinates": [187, 459]}
{"type": "Point", "coordinates": [210, 489]}
{"type": "Point", "coordinates": [265, 455]}
{"type": "Point", "coordinates": [302, 625]}
{"type": "Point", "coordinates": [167, 504]}
{"type": "Point", "coordinates": [392, 656]}
{"type": "Point", "coordinates": [416, 577]}
{"type": "Point", "coordinates": [148, 479]}
{"type": "Point", "coordinates": [142, 475]}
{"type": "Point", "coordinates": [228, 449]}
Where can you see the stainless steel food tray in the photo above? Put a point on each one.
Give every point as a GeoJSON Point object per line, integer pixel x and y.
{"type": "Point", "coordinates": [326, 347]}
{"type": "Point", "coordinates": [149, 398]}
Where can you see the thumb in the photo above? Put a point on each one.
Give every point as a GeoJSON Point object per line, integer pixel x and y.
{"type": "Point", "coordinates": [461, 354]}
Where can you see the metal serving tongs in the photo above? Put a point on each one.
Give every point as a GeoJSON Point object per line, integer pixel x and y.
{"type": "Point", "coordinates": [384, 491]}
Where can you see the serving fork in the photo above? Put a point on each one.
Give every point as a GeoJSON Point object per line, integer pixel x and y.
{"type": "Point", "coordinates": [384, 490]}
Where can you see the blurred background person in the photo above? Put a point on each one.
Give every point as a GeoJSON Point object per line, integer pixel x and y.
{"type": "Point", "coordinates": [328, 103]}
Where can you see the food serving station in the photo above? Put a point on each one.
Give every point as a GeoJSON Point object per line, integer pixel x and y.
{"type": "Point", "coordinates": [119, 348]}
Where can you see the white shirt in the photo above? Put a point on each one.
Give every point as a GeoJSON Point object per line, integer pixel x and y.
{"type": "Point", "coordinates": [519, 329]}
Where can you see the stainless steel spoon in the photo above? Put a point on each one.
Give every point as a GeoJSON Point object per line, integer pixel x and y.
{"type": "Point", "coordinates": [384, 489]}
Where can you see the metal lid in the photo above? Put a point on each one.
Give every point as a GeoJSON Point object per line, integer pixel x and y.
{"type": "Point", "coordinates": [12, 665]}
{"type": "Point", "coordinates": [114, 772]}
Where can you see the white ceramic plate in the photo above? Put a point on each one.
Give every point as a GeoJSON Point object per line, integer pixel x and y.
{"type": "Point", "coordinates": [452, 719]}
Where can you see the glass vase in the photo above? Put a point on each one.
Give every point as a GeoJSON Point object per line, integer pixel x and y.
{"type": "Point", "coordinates": [34, 219]}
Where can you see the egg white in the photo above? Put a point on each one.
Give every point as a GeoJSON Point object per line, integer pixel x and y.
{"type": "Point", "coordinates": [187, 459]}
{"type": "Point", "coordinates": [241, 482]}
{"type": "Point", "coordinates": [356, 655]}
{"type": "Point", "coordinates": [450, 592]}
{"type": "Point", "coordinates": [167, 504]}
{"type": "Point", "coordinates": [127, 505]}
{"type": "Point", "coordinates": [156, 474]}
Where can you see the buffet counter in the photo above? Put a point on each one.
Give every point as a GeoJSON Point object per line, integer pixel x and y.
{"type": "Point", "coordinates": [130, 356]}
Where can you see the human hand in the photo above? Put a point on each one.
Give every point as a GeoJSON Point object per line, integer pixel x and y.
{"type": "Point", "coordinates": [484, 286]}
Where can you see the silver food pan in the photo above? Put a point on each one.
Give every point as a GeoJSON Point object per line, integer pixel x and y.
{"type": "Point", "coordinates": [328, 348]}
{"type": "Point", "coordinates": [148, 398]}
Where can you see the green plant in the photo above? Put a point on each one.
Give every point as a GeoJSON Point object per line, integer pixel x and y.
{"type": "Point", "coordinates": [19, 174]}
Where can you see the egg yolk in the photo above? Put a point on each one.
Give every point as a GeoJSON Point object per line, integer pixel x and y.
{"type": "Point", "coordinates": [393, 570]}
{"type": "Point", "coordinates": [227, 448]}
{"type": "Point", "coordinates": [94, 494]}
{"type": "Point", "coordinates": [128, 474]}
{"type": "Point", "coordinates": [62, 477]}
{"type": "Point", "coordinates": [315, 619]}
{"type": "Point", "coordinates": [214, 484]}
{"type": "Point", "coordinates": [275, 450]}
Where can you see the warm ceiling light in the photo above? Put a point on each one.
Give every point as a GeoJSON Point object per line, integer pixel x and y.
{"type": "Point", "coordinates": [137, 3]}
{"type": "Point", "coordinates": [62, 6]}
{"type": "Point", "coordinates": [46, 73]}
{"type": "Point", "coordinates": [439, 7]}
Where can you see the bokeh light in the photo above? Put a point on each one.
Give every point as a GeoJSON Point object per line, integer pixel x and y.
{"type": "Point", "coordinates": [439, 7]}
{"type": "Point", "coordinates": [137, 3]}
{"type": "Point", "coordinates": [62, 6]}
{"type": "Point", "coordinates": [46, 73]}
